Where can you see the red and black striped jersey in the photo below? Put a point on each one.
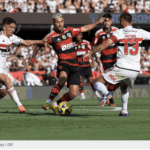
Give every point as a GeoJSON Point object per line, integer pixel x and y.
{"type": "Point", "coordinates": [82, 49]}
{"type": "Point", "coordinates": [108, 55]}
{"type": "Point", "coordinates": [63, 45]}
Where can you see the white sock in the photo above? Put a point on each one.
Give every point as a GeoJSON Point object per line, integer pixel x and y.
{"type": "Point", "coordinates": [124, 99]}
{"type": "Point", "coordinates": [101, 88]}
{"type": "Point", "coordinates": [55, 104]}
{"type": "Point", "coordinates": [98, 95]}
{"type": "Point", "coordinates": [82, 94]}
{"type": "Point", "coordinates": [13, 94]}
{"type": "Point", "coordinates": [49, 101]}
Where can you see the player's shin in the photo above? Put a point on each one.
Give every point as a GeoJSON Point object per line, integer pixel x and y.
{"type": "Point", "coordinates": [124, 99]}
{"type": "Point", "coordinates": [82, 91]}
{"type": "Point", "coordinates": [13, 94]}
{"type": "Point", "coordinates": [96, 92]}
{"type": "Point", "coordinates": [55, 91]}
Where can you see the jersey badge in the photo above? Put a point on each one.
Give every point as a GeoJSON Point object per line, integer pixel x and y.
{"type": "Point", "coordinates": [64, 37]}
{"type": "Point", "coordinates": [108, 36]}
{"type": "Point", "coordinates": [69, 35]}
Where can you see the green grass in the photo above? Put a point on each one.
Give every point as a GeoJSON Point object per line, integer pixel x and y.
{"type": "Point", "coordinates": [88, 121]}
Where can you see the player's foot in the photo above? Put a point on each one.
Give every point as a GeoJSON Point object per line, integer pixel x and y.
{"type": "Point", "coordinates": [112, 105]}
{"type": "Point", "coordinates": [82, 98]}
{"type": "Point", "coordinates": [105, 99]}
{"type": "Point", "coordinates": [124, 114]}
{"type": "Point", "coordinates": [54, 107]}
{"type": "Point", "coordinates": [46, 106]}
{"type": "Point", "coordinates": [21, 109]}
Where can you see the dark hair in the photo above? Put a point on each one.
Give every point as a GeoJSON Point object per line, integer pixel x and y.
{"type": "Point", "coordinates": [8, 20]}
{"type": "Point", "coordinates": [127, 17]}
{"type": "Point", "coordinates": [107, 16]}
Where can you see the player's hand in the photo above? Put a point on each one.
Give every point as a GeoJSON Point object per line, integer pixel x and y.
{"type": "Point", "coordinates": [102, 19]}
{"type": "Point", "coordinates": [45, 40]}
{"type": "Point", "coordinates": [86, 55]}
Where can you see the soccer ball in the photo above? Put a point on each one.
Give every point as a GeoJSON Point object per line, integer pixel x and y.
{"type": "Point", "coordinates": [64, 108]}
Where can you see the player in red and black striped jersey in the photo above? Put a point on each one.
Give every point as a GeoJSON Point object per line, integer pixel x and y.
{"type": "Point", "coordinates": [82, 47]}
{"type": "Point", "coordinates": [68, 68]}
{"type": "Point", "coordinates": [109, 55]}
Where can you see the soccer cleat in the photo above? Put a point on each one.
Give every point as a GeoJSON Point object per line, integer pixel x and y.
{"type": "Point", "coordinates": [21, 109]}
{"type": "Point", "coordinates": [82, 98]}
{"type": "Point", "coordinates": [112, 105]}
{"type": "Point", "coordinates": [105, 99]}
{"type": "Point", "coordinates": [46, 106]}
{"type": "Point", "coordinates": [54, 108]}
{"type": "Point", "coordinates": [126, 114]}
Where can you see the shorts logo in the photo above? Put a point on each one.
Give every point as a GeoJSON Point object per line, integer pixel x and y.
{"type": "Point", "coordinates": [64, 37]}
{"type": "Point", "coordinates": [112, 77]}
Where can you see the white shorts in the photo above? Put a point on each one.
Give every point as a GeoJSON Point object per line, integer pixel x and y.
{"type": "Point", "coordinates": [115, 75]}
{"type": "Point", "coordinates": [4, 71]}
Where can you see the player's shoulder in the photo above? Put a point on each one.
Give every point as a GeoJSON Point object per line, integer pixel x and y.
{"type": "Point", "coordinates": [114, 28]}
{"type": "Point", "coordinates": [85, 41]}
{"type": "Point", "coordinates": [100, 31]}
{"type": "Point", "coordinates": [51, 34]}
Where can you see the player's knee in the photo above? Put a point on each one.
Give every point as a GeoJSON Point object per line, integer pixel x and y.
{"type": "Point", "coordinates": [73, 94]}
{"type": "Point", "coordinates": [7, 80]}
{"type": "Point", "coordinates": [62, 81]}
{"type": "Point", "coordinates": [3, 93]}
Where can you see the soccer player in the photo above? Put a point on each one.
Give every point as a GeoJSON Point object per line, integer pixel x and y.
{"type": "Point", "coordinates": [7, 39]}
{"type": "Point", "coordinates": [109, 55]}
{"type": "Point", "coordinates": [81, 48]}
{"type": "Point", "coordinates": [68, 68]}
{"type": "Point", "coordinates": [127, 66]}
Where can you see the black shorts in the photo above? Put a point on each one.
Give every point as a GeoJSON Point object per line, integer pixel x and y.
{"type": "Point", "coordinates": [86, 71]}
{"type": "Point", "coordinates": [108, 65]}
{"type": "Point", "coordinates": [73, 73]}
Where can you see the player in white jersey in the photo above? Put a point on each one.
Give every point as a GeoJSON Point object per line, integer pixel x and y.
{"type": "Point", "coordinates": [127, 67]}
{"type": "Point", "coordinates": [7, 39]}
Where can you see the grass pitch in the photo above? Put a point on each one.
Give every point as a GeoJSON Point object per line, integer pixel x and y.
{"type": "Point", "coordinates": [87, 121]}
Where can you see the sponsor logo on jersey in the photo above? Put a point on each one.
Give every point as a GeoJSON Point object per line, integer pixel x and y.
{"type": "Point", "coordinates": [64, 37]}
{"type": "Point", "coordinates": [67, 46]}
{"type": "Point", "coordinates": [69, 35]}
{"type": "Point", "coordinates": [58, 40]}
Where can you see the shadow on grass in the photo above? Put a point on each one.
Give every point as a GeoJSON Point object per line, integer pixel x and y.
{"type": "Point", "coordinates": [52, 114]}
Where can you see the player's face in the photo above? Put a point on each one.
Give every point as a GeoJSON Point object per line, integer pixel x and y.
{"type": "Point", "coordinates": [79, 37]}
{"type": "Point", "coordinates": [59, 24]}
{"type": "Point", "coordinates": [9, 29]}
{"type": "Point", "coordinates": [107, 23]}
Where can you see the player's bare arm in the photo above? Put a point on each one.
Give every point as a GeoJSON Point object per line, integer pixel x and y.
{"type": "Point", "coordinates": [99, 48]}
{"type": "Point", "coordinates": [93, 25]}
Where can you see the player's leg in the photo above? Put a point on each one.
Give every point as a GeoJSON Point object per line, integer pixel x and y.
{"type": "Point", "coordinates": [90, 79]}
{"type": "Point", "coordinates": [56, 89]}
{"type": "Point", "coordinates": [112, 88]}
{"type": "Point", "coordinates": [81, 90]}
{"type": "Point", "coordinates": [11, 91]}
{"type": "Point", "coordinates": [124, 99]}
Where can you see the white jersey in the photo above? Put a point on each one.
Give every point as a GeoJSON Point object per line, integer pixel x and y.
{"type": "Point", "coordinates": [5, 45]}
{"type": "Point", "coordinates": [129, 46]}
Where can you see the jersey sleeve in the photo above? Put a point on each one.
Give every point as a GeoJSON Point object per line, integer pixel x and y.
{"type": "Point", "coordinates": [145, 35]}
{"type": "Point", "coordinates": [96, 38]}
{"type": "Point", "coordinates": [49, 39]}
{"type": "Point", "coordinates": [75, 31]}
{"type": "Point", "coordinates": [16, 40]}
{"type": "Point", "coordinates": [115, 36]}
{"type": "Point", "coordinates": [89, 46]}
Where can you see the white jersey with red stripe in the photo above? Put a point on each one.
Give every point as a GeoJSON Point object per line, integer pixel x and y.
{"type": "Point", "coordinates": [5, 45]}
{"type": "Point", "coordinates": [129, 41]}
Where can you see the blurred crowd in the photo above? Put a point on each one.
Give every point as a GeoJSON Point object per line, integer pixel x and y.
{"type": "Point", "coordinates": [19, 56]}
{"type": "Point", "coordinates": [75, 6]}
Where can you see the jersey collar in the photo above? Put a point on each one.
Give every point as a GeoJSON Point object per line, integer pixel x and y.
{"type": "Point", "coordinates": [128, 27]}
